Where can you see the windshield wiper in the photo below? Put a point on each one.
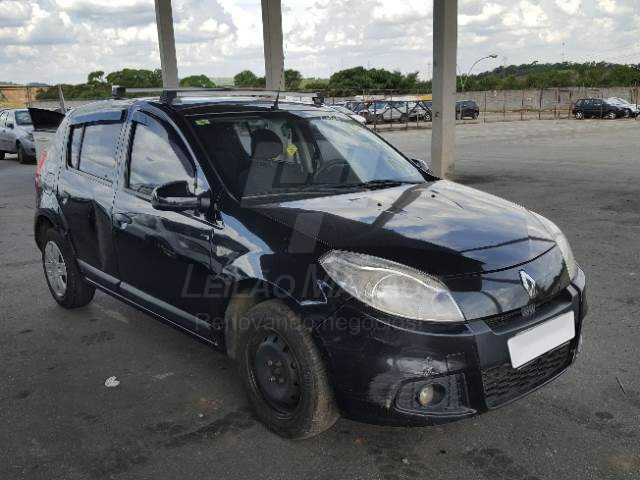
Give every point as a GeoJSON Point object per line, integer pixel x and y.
{"type": "Point", "coordinates": [371, 184]}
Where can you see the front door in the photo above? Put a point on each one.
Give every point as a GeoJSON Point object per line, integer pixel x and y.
{"type": "Point", "coordinates": [164, 257]}
{"type": "Point", "coordinates": [597, 107]}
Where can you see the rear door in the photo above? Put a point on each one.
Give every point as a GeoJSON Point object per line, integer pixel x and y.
{"type": "Point", "coordinates": [164, 258]}
{"type": "Point", "coordinates": [85, 192]}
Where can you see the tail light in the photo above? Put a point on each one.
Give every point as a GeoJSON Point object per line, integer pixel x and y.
{"type": "Point", "coordinates": [40, 167]}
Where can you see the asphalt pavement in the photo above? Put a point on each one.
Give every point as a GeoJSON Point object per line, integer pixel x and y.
{"type": "Point", "coordinates": [179, 410]}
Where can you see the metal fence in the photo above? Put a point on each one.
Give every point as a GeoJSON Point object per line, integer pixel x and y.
{"type": "Point", "coordinates": [389, 110]}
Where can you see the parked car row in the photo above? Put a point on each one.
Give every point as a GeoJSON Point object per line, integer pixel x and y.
{"type": "Point", "coordinates": [16, 134]}
{"type": "Point", "coordinates": [402, 111]}
{"type": "Point", "coordinates": [611, 108]}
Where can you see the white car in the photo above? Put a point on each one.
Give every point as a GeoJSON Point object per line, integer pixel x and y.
{"type": "Point", "coordinates": [349, 113]}
{"type": "Point", "coordinates": [630, 109]}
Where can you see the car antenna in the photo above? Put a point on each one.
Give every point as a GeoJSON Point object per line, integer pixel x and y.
{"type": "Point", "coordinates": [275, 103]}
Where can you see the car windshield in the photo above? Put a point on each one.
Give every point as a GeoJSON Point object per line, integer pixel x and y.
{"type": "Point", "coordinates": [23, 118]}
{"type": "Point", "coordinates": [277, 153]}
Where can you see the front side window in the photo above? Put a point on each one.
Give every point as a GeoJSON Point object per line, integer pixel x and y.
{"type": "Point", "coordinates": [95, 152]}
{"type": "Point", "coordinates": [23, 118]}
{"type": "Point", "coordinates": [273, 153]}
{"type": "Point", "coordinates": [156, 158]}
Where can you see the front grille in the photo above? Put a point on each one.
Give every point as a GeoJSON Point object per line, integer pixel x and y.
{"type": "Point", "coordinates": [507, 319]}
{"type": "Point", "coordinates": [503, 382]}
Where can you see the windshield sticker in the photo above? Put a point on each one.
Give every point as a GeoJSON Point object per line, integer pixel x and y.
{"type": "Point", "coordinates": [202, 121]}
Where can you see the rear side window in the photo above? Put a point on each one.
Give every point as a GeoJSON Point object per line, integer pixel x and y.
{"type": "Point", "coordinates": [76, 141]}
{"type": "Point", "coordinates": [93, 149]}
{"type": "Point", "coordinates": [157, 157]}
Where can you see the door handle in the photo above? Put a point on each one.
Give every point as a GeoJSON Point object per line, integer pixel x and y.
{"type": "Point", "coordinates": [120, 220]}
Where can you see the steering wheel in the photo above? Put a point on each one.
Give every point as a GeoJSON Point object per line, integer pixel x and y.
{"type": "Point", "coordinates": [330, 164]}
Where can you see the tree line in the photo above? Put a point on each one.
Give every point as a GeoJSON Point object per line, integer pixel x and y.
{"type": "Point", "coordinates": [358, 80]}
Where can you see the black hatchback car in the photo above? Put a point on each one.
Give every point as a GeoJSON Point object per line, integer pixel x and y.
{"type": "Point", "coordinates": [596, 108]}
{"type": "Point", "coordinates": [467, 109]}
{"type": "Point", "coordinates": [341, 275]}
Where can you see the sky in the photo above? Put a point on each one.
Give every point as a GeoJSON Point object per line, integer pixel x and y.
{"type": "Point", "coordinates": [61, 41]}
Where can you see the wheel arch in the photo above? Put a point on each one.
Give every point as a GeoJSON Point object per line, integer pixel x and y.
{"type": "Point", "coordinates": [42, 223]}
{"type": "Point", "coordinates": [243, 295]}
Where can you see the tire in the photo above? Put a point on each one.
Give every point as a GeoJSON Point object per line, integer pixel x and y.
{"type": "Point", "coordinates": [283, 372]}
{"type": "Point", "coordinates": [475, 115]}
{"type": "Point", "coordinates": [579, 115]}
{"type": "Point", "coordinates": [610, 115]}
{"type": "Point", "coordinates": [427, 117]}
{"type": "Point", "coordinates": [74, 291]}
{"type": "Point", "coordinates": [1, 155]}
{"type": "Point", "coordinates": [23, 158]}
{"type": "Point", "coordinates": [458, 116]}
{"type": "Point", "coordinates": [627, 113]}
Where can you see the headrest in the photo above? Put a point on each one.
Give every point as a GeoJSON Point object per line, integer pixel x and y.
{"type": "Point", "coordinates": [265, 144]}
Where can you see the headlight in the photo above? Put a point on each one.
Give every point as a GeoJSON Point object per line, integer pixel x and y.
{"type": "Point", "coordinates": [562, 242]}
{"type": "Point", "coordinates": [391, 287]}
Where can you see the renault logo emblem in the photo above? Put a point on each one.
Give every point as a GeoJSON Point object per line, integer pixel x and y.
{"type": "Point", "coordinates": [528, 283]}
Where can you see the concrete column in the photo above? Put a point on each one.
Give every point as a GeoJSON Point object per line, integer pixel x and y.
{"type": "Point", "coordinates": [273, 50]}
{"type": "Point", "coordinates": [445, 45]}
{"type": "Point", "coordinates": [167, 44]}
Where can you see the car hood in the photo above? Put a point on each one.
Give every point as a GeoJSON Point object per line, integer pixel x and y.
{"type": "Point", "coordinates": [25, 128]}
{"type": "Point", "coordinates": [440, 227]}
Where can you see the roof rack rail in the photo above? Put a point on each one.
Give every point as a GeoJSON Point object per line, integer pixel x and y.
{"type": "Point", "coordinates": [169, 95]}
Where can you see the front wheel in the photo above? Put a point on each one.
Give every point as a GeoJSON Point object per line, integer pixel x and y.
{"type": "Point", "coordinates": [64, 279]}
{"type": "Point", "coordinates": [283, 372]}
{"type": "Point", "coordinates": [22, 154]}
{"type": "Point", "coordinates": [627, 113]}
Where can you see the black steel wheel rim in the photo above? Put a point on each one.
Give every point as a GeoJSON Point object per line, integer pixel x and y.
{"type": "Point", "coordinates": [275, 373]}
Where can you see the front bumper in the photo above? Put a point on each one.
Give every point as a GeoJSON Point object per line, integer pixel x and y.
{"type": "Point", "coordinates": [378, 367]}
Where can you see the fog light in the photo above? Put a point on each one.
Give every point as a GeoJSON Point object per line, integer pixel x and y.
{"type": "Point", "coordinates": [425, 396]}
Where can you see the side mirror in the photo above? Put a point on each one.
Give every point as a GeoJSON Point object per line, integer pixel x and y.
{"type": "Point", "coordinates": [10, 125]}
{"type": "Point", "coordinates": [176, 197]}
{"type": "Point", "coordinates": [422, 165]}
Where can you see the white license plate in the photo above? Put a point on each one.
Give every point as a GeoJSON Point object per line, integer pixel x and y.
{"type": "Point", "coordinates": [532, 343]}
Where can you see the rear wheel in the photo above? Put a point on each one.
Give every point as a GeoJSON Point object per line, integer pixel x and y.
{"type": "Point", "coordinates": [475, 115]}
{"type": "Point", "coordinates": [579, 115]}
{"type": "Point", "coordinates": [283, 372]}
{"type": "Point", "coordinates": [1, 155]}
{"type": "Point", "coordinates": [610, 115]}
{"type": "Point", "coordinates": [64, 279]}
{"type": "Point", "coordinates": [427, 117]}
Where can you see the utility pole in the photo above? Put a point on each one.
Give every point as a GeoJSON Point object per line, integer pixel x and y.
{"type": "Point", "coordinates": [167, 44]}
